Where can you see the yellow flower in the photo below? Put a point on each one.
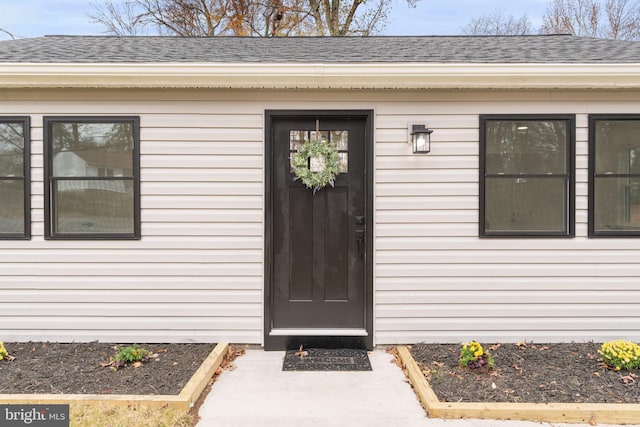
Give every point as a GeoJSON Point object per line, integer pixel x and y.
{"type": "Point", "coordinates": [3, 351]}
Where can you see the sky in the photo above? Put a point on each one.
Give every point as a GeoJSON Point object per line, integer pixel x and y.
{"type": "Point", "coordinates": [34, 18]}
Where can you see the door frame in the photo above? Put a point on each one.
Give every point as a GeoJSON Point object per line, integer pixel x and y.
{"type": "Point", "coordinates": [282, 342]}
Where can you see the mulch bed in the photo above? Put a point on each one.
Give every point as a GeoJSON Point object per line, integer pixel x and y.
{"type": "Point", "coordinates": [54, 368]}
{"type": "Point", "coordinates": [526, 372]}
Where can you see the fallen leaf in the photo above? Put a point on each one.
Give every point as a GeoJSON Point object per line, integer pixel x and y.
{"type": "Point", "coordinates": [301, 353]}
{"type": "Point", "coordinates": [137, 364]}
{"type": "Point", "coordinates": [629, 379]}
{"type": "Point", "coordinates": [174, 364]}
{"type": "Point", "coordinates": [543, 348]}
{"type": "Point", "coordinates": [10, 358]}
{"type": "Point", "coordinates": [495, 347]}
{"type": "Point", "coordinates": [597, 374]}
{"type": "Point", "coordinates": [521, 344]}
{"type": "Point", "coordinates": [438, 364]}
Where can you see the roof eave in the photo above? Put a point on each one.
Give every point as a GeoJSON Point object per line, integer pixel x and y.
{"type": "Point", "coordinates": [321, 76]}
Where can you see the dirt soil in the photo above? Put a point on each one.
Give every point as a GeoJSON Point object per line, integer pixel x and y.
{"type": "Point", "coordinates": [526, 372]}
{"type": "Point", "coordinates": [54, 368]}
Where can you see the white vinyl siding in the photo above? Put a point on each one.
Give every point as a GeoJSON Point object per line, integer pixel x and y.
{"type": "Point", "coordinates": [197, 274]}
{"type": "Point", "coordinates": [437, 281]}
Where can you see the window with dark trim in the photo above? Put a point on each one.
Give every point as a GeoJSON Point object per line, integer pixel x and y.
{"type": "Point", "coordinates": [527, 175]}
{"type": "Point", "coordinates": [614, 175]}
{"type": "Point", "coordinates": [92, 177]}
{"type": "Point", "coordinates": [15, 194]}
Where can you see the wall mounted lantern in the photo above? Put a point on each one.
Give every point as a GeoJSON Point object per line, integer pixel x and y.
{"type": "Point", "coordinates": [421, 139]}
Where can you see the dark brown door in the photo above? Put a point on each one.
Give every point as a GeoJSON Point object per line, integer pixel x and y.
{"type": "Point", "coordinates": [319, 242]}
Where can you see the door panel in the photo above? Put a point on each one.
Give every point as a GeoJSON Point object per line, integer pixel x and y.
{"type": "Point", "coordinates": [318, 241]}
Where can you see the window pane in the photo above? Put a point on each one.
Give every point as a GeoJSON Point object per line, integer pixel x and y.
{"type": "Point", "coordinates": [323, 135]}
{"type": "Point", "coordinates": [83, 149]}
{"type": "Point", "coordinates": [525, 204]}
{"type": "Point", "coordinates": [94, 206]}
{"type": "Point", "coordinates": [11, 206]}
{"type": "Point", "coordinates": [617, 204]}
{"type": "Point", "coordinates": [617, 146]}
{"type": "Point", "coordinates": [526, 147]}
{"type": "Point", "coordinates": [297, 138]}
{"type": "Point", "coordinates": [340, 138]}
{"type": "Point", "coordinates": [11, 149]}
{"type": "Point", "coordinates": [344, 162]}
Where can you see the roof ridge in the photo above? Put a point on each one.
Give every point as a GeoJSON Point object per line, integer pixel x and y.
{"type": "Point", "coordinates": [302, 37]}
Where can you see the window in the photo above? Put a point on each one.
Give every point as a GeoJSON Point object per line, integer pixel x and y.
{"type": "Point", "coordinates": [92, 177]}
{"type": "Point", "coordinates": [15, 195]}
{"type": "Point", "coordinates": [614, 175]}
{"type": "Point", "coordinates": [526, 175]}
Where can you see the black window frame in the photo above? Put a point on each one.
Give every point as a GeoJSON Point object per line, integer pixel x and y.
{"type": "Point", "coordinates": [592, 232]}
{"type": "Point", "coordinates": [569, 175]}
{"type": "Point", "coordinates": [26, 176]}
{"type": "Point", "coordinates": [49, 179]}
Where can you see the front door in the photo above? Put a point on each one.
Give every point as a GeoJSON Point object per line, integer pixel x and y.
{"type": "Point", "coordinates": [318, 244]}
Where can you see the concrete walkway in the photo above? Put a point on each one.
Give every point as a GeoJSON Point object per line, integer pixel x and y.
{"type": "Point", "coordinates": [258, 393]}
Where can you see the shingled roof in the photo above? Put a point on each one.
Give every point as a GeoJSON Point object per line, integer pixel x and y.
{"type": "Point", "coordinates": [352, 63]}
{"type": "Point", "coordinates": [543, 49]}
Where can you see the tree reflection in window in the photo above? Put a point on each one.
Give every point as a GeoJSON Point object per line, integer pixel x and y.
{"type": "Point", "coordinates": [94, 177]}
{"type": "Point", "coordinates": [14, 178]}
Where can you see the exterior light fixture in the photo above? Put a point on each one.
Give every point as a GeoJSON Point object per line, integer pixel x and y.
{"type": "Point", "coordinates": [421, 139]}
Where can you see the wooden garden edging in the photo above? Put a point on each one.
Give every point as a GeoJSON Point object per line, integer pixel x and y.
{"type": "Point", "coordinates": [611, 413]}
{"type": "Point", "coordinates": [185, 400]}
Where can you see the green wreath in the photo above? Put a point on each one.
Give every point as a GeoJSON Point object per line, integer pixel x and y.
{"type": "Point", "coordinates": [316, 180]}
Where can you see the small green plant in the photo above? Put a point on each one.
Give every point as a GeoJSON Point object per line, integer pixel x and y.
{"type": "Point", "coordinates": [620, 354]}
{"type": "Point", "coordinates": [3, 351]}
{"type": "Point", "coordinates": [473, 356]}
{"type": "Point", "coordinates": [131, 354]}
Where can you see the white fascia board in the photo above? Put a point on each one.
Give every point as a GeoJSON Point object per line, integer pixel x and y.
{"type": "Point", "coordinates": [321, 76]}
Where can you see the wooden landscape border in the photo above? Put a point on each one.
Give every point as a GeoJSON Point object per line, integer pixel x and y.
{"type": "Point", "coordinates": [183, 401]}
{"type": "Point", "coordinates": [591, 413]}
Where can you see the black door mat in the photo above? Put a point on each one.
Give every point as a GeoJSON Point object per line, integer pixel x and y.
{"type": "Point", "coordinates": [317, 359]}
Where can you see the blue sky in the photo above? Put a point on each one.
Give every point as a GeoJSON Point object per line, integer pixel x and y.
{"type": "Point", "coordinates": [32, 18]}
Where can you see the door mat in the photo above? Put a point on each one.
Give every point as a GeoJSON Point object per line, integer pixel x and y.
{"type": "Point", "coordinates": [317, 359]}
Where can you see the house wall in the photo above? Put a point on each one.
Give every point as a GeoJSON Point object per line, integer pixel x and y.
{"type": "Point", "coordinates": [197, 273]}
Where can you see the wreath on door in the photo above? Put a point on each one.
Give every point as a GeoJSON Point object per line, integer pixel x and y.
{"type": "Point", "coordinates": [324, 154]}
